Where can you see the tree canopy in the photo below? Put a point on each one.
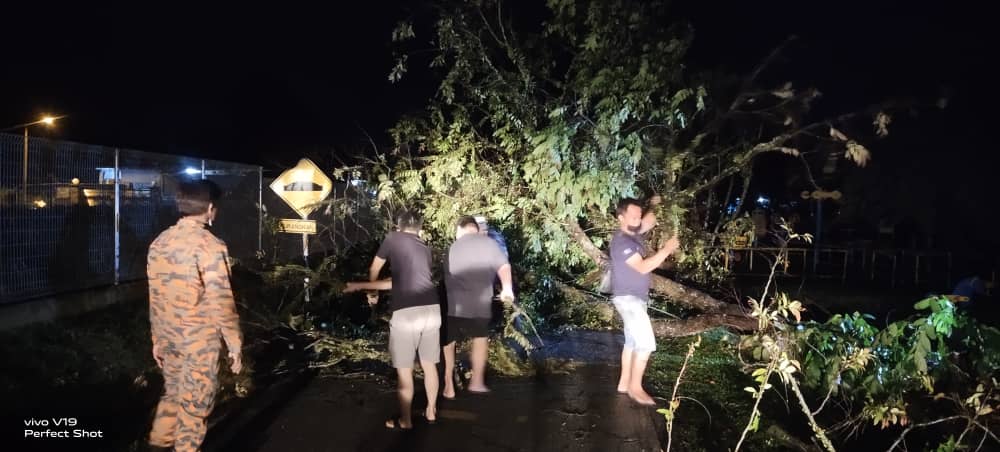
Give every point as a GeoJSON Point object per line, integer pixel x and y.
{"type": "Point", "coordinates": [543, 128]}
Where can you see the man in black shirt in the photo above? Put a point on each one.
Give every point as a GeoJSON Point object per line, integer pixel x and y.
{"type": "Point", "coordinates": [416, 312]}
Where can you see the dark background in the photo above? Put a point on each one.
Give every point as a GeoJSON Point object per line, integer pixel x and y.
{"type": "Point", "coordinates": [267, 84]}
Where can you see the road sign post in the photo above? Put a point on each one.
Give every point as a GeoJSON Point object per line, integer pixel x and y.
{"type": "Point", "coordinates": [302, 188]}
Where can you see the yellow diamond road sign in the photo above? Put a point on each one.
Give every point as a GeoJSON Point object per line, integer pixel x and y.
{"type": "Point", "coordinates": [303, 187]}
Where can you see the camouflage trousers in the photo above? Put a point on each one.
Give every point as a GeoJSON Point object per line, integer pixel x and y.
{"type": "Point", "coordinates": [191, 379]}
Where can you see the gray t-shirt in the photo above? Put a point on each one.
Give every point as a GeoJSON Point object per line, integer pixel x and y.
{"type": "Point", "coordinates": [625, 280]}
{"type": "Point", "coordinates": [470, 269]}
{"type": "Point", "coordinates": [410, 262]}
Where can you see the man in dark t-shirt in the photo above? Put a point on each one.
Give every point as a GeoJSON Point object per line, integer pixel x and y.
{"type": "Point", "coordinates": [416, 312]}
{"type": "Point", "coordinates": [631, 265]}
{"type": "Point", "coordinates": [473, 261]}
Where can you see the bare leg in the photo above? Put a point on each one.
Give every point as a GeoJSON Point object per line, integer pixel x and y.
{"type": "Point", "coordinates": [624, 380]}
{"type": "Point", "coordinates": [431, 386]}
{"type": "Point", "coordinates": [639, 361]}
{"type": "Point", "coordinates": [405, 393]}
{"type": "Point", "coordinates": [449, 371]}
{"type": "Point", "coordinates": [480, 351]}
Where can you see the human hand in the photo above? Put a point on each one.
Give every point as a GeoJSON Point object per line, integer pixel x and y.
{"type": "Point", "coordinates": [507, 296]}
{"type": "Point", "coordinates": [372, 298]}
{"type": "Point", "coordinates": [158, 354]}
{"type": "Point", "coordinates": [672, 244]}
{"type": "Point", "coordinates": [237, 364]}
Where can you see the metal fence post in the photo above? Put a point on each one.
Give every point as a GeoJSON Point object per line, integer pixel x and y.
{"type": "Point", "coordinates": [260, 209]}
{"type": "Point", "coordinates": [24, 167]}
{"type": "Point", "coordinates": [118, 221]}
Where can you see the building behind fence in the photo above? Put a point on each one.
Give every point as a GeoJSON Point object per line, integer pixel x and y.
{"type": "Point", "coordinates": [77, 216]}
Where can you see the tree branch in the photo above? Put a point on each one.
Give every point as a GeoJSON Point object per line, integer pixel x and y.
{"type": "Point", "coordinates": [812, 421]}
{"type": "Point", "coordinates": [588, 246]}
{"type": "Point", "coordinates": [748, 82]}
{"type": "Point", "coordinates": [743, 94]}
{"type": "Point", "coordinates": [925, 424]}
{"type": "Point", "coordinates": [699, 323]}
{"type": "Point", "coordinates": [691, 298]}
{"type": "Point", "coordinates": [774, 144]}
{"type": "Point", "coordinates": [743, 194]}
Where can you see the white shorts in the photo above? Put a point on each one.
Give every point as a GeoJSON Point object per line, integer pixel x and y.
{"type": "Point", "coordinates": [638, 329]}
{"type": "Point", "coordinates": [412, 331]}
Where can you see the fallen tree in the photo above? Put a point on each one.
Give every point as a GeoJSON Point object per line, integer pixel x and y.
{"type": "Point", "coordinates": [543, 130]}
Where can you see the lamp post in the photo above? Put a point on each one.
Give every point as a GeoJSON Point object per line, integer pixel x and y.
{"type": "Point", "coordinates": [48, 121]}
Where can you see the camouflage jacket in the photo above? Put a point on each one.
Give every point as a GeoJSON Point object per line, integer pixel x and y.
{"type": "Point", "coordinates": [190, 295]}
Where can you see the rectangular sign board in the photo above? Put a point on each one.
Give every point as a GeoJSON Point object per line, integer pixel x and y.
{"type": "Point", "coordinates": [297, 226]}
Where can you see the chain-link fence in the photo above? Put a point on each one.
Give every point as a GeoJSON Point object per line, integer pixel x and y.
{"type": "Point", "coordinates": [76, 216]}
{"type": "Point", "coordinates": [239, 219]}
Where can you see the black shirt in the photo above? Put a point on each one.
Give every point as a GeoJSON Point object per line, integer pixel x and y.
{"type": "Point", "coordinates": [410, 261]}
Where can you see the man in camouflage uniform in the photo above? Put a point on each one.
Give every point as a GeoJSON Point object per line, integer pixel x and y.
{"type": "Point", "coordinates": [190, 307]}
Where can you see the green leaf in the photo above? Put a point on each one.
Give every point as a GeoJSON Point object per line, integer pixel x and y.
{"type": "Point", "coordinates": [947, 446]}
{"type": "Point", "coordinates": [920, 360]}
{"type": "Point", "coordinates": [923, 342]}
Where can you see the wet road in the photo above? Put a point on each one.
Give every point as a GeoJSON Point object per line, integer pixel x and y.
{"type": "Point", "coordinates": [575, 411]}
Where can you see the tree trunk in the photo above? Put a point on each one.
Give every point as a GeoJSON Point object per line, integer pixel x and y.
{"type": "Point", "coordinates": [786, 439]}
{"type": "Point", "coordinates": [589, 249]}
{"type": "Point", "coordinates": [699, 323]}
{"type": "Point", "coordinates": [686, 296]}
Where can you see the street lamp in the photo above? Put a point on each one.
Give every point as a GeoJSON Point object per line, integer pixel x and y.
{"type": "Point", "coordinates": [48, 121]}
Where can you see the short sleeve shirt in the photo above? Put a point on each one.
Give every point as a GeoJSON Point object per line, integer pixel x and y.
{"type": "Point", "coordinates": [410, 264]}
{"type": "Point", "coordinates": [625, 280]}
{"type": "Point", "coordinates": [470, 269]}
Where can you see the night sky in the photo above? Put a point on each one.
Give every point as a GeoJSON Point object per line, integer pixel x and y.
{"type": "Point", "coordinates": [267, 84]}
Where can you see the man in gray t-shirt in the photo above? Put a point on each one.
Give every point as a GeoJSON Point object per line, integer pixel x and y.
{"type": "Point", "coordinates": [631, 265]}
{"type": "Point", "coordinates": [473, 261]}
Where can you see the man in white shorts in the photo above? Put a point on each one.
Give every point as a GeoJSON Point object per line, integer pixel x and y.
{"type": "Point", "coordinates": [631, 265]}
{"type": "Point", "coordinates": [414, 329]}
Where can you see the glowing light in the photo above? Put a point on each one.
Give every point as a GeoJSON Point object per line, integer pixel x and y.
{"type": "Point", "coordinates": [192, 171]}
{"type": "Point", "coordinates": [75, 181]}
{"type": "Point", "coordinates": [40, 203]}
{"type": "Point", "coordinates": [48, 120]}
{"type": "Point", "coordinates": [732, 207]}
